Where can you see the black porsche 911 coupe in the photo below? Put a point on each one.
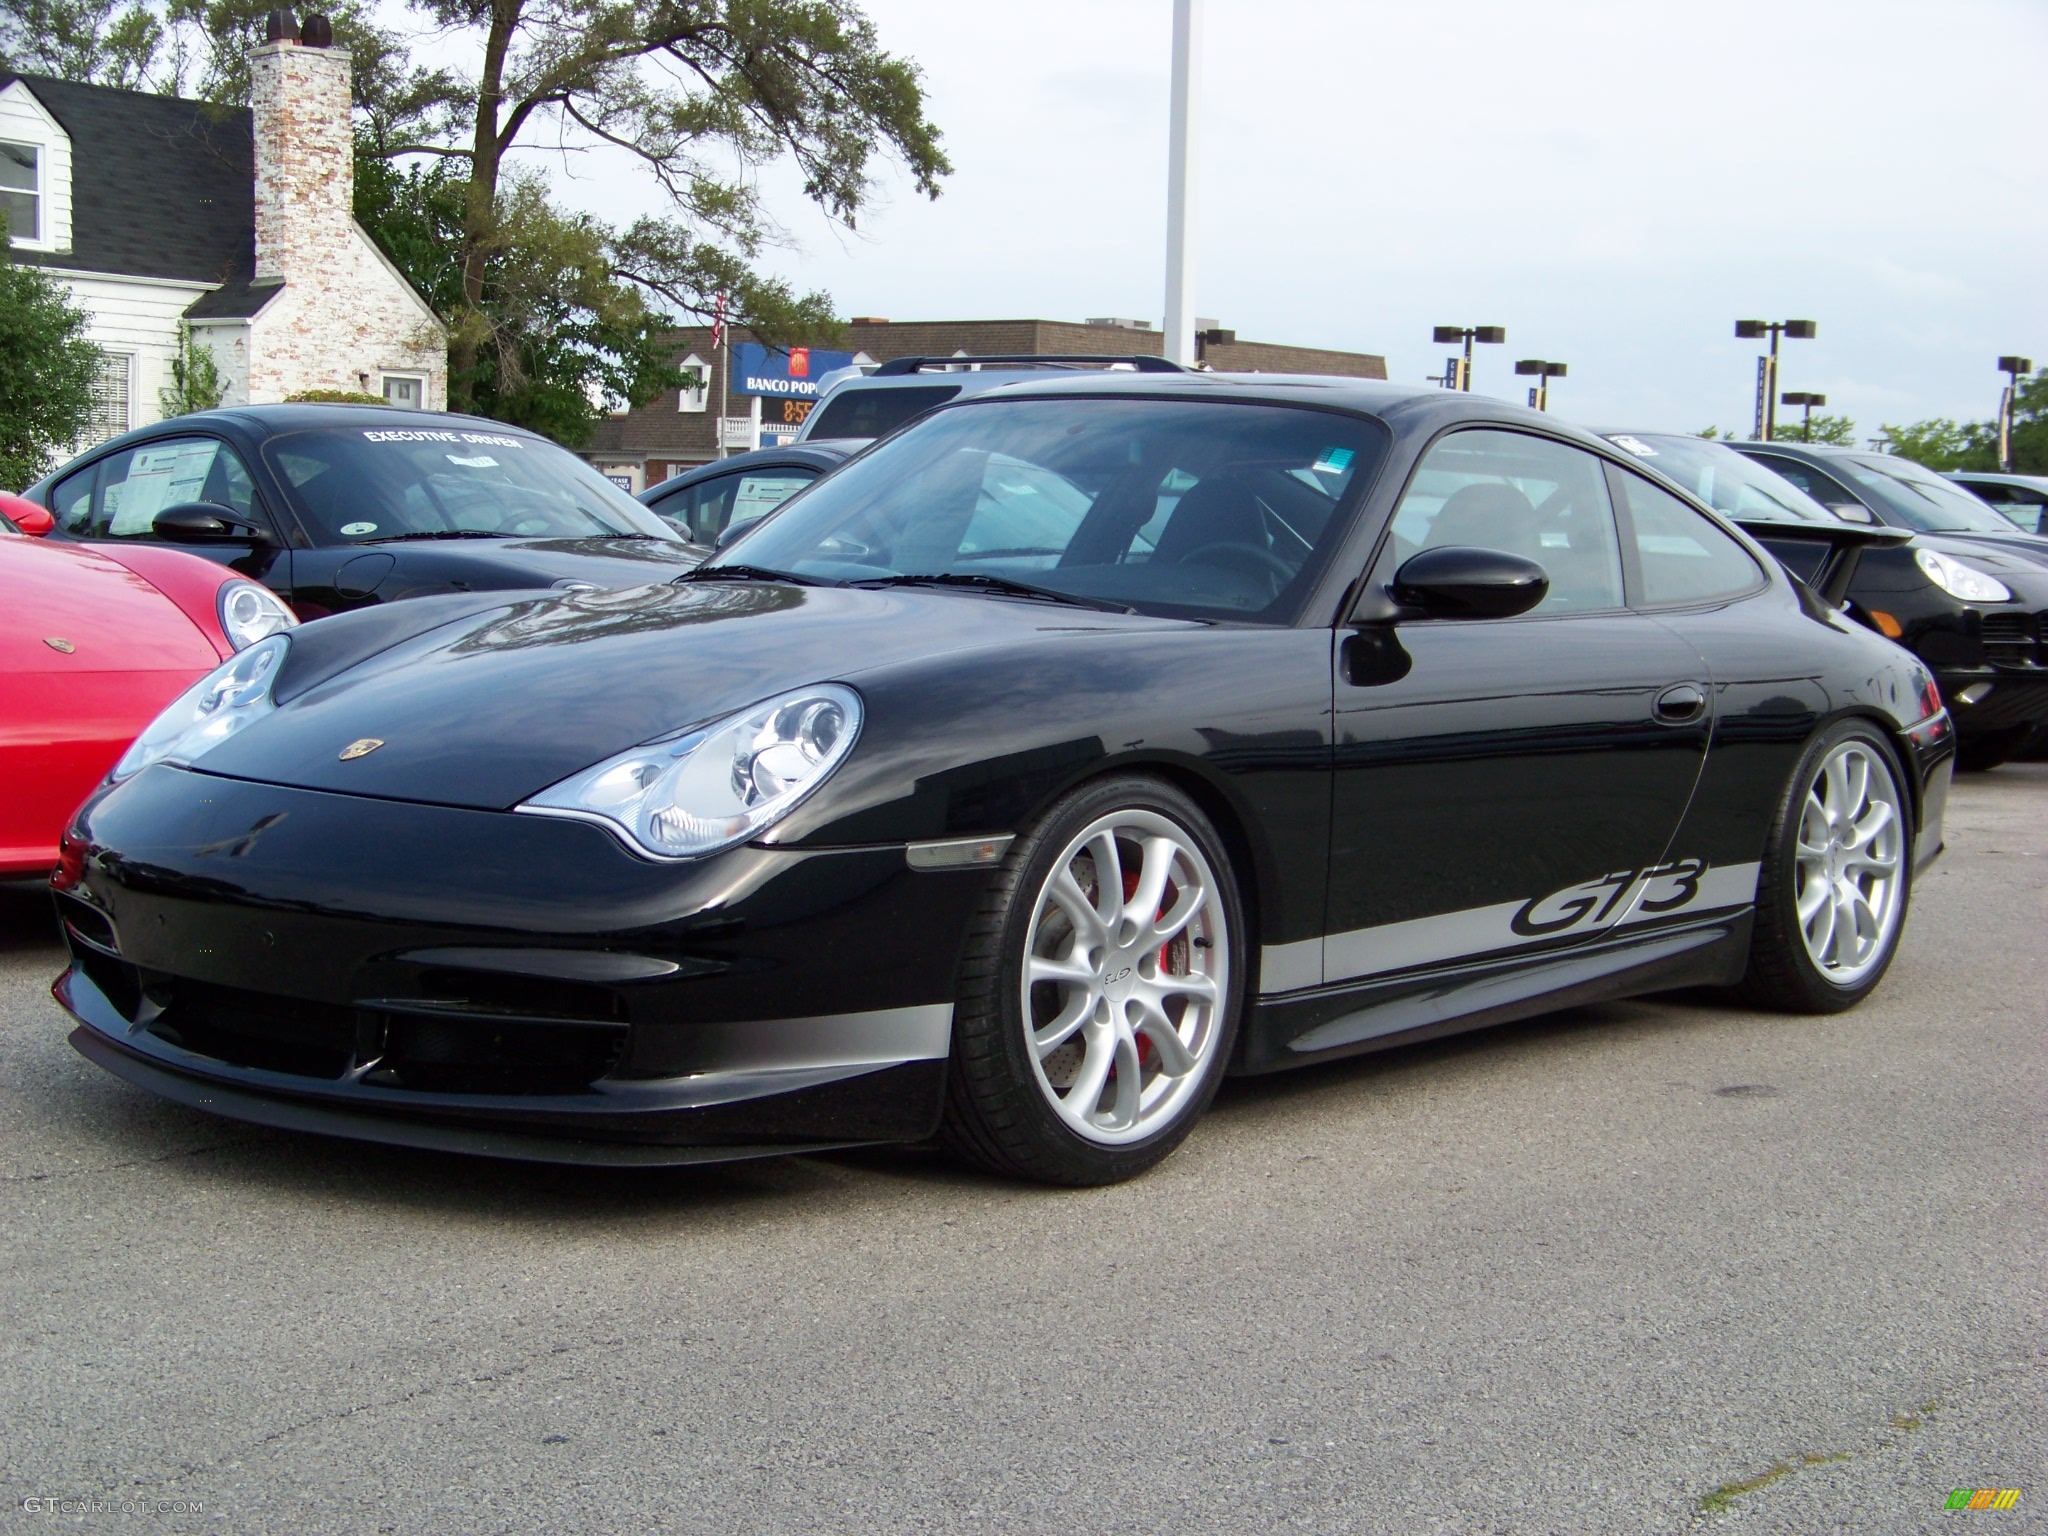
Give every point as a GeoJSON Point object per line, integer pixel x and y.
{"type": "Point", "coordinates": [1085, 742]}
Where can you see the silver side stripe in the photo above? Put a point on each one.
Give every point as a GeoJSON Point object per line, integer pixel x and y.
{"type": "Point", "coordinates": [1686, 887]}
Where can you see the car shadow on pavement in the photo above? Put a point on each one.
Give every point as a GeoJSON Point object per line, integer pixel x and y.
{"type": "Point", "coordinates": [28, 920]}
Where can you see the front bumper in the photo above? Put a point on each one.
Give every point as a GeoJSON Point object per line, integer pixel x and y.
{"type": "Point", "coordinates": [2016, 697]}
{"type": "Point", "coordinates": [520, 986]}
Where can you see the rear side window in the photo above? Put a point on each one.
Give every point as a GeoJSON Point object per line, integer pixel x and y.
{"type": "Point", "coordinates": [1682, 557]}
{"type": "Point", "coordinates": [857, 412]}
{"type": "Point", "coordinates": [1824, 489]}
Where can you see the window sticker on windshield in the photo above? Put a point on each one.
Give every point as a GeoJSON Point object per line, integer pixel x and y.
{"type": "Point", "coordinates": [473, 461]}
{"type": "Point", "coordinates": [1332, 461]}
{"type": "Point", "coordinates": [1634, 445]}
{"type": "Point", "coordinates": [352, 529]}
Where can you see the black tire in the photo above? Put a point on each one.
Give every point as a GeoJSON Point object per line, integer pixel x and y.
{"type": "Point", "coordinates": [1782, 975]}
{"type": "Point", "coordinates": [997, 1115]}
{"type": "Point", "coordinates": [1990, 749]}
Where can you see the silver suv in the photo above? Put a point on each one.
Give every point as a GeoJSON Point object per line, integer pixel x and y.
{"type": "Point", "coordinates": [859, 404]}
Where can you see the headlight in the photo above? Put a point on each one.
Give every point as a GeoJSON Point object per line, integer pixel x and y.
{"type": "Point", "coordinates": [210, 711]}
{"type": "Point", "coordinates": [249, 613]}
{"type": "Point", "coordinates": [1960, 580]}
{"type": "Point", "coordinates": [718, 786]}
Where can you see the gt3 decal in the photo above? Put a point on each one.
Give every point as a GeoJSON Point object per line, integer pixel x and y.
{"type": "Point", "coordinates": [1559, 912]}
{"type": "Point", "coordinates": [1625, 898]}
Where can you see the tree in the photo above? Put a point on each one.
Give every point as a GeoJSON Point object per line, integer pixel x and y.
{"type": "Point", "coordinates": [196, 381]}
{"type": "Point", "coordinates": [47, 368]}
{"type": "Point", "coordinates": [1839, 431]}
{"type": "Point", "coordinates": [1944, 444]}
{"type": "Point", "coordinates": [701, 94]}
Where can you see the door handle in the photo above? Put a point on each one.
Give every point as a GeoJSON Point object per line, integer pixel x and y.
{"type": "Point", "coordinates": [1681, 704]}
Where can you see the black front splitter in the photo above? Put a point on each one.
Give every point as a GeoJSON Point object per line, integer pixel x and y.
{"type": "Point", "coordinates": [429, 1135]}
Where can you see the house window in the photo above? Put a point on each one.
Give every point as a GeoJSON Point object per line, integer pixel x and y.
{"type": "Point", "coordinates": [21, 192]}
{"type": "Point", "coordinates": [696, 384]}
{"type": "Point", "coordinates": [406, 389]}
{"type": "Point", "coordinates": [110, 392]}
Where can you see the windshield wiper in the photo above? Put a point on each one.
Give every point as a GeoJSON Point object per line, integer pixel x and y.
{"type": "Point", "coordinates": [980, 581]}
{"type": "Point", "coordinates": [451, 533]}
{"type": "Point", "coordinates": [748, 573]}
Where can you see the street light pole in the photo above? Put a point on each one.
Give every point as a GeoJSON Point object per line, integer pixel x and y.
{"type": "Point", "coordinates": [1809, 400]}
{"type": "Point", "coordinates": [1490, 335]}
{"type": "Point", "coordinates": [1180, 184]}
{"type": "Point", "coordinates": [2014, 369]}
{"type": "Point", "coordinates": [1767, 367]}
{"type": "Point", "coordinates": [1543, 372]}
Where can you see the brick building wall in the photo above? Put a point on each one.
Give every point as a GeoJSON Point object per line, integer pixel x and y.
{"type": "Point", "coordinates": [660, 439]}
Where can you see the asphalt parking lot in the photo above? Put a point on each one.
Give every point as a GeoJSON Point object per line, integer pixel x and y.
{"type": "Point", "coordinates": [1657, 1266]}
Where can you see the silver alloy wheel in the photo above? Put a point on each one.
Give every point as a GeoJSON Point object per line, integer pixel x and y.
{"type": "Point", "coordinates": [1851, 859]}
{"type": "Point", "coordinates": [1125, 977]}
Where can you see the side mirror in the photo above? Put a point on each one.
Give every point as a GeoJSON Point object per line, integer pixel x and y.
{"type": "Point", "coordinates": [34, 521]}
{"type": "Point", "coordinates": [1459, 582]}
{"type": "Point", "coordinates": [733, 531]}
{"type": "Point", "coordinates": [1852, 512]}
{"type": "Point", "coordinates": [205, 522]}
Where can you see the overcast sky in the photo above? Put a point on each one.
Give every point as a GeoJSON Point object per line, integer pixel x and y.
{"type": "Point", "coordinates": [1615, 183]}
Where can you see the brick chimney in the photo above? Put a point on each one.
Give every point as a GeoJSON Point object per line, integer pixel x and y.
{"type": "Point", "coordinates": [305, 150]}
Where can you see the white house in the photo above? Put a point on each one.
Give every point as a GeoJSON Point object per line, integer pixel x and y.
{"type": "Point", "coordinates": [160, 213]}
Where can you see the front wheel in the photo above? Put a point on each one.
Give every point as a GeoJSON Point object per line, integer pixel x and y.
{"type": "Point", "coordinates": [1100, 991]}
{"type": "Point", "coordinates": [1837, 874]}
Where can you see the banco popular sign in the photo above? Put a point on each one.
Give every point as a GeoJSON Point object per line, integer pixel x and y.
{"type": "Point", "coordinates": [790, 375]}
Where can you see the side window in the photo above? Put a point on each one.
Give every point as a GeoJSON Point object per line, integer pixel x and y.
{"type": "Point", "coordinates": [1822, 488]}
{"type": "Point", "coordinates": [1682, 557]}
{"type": "Point", "coordinates": [702, 511]}
{"type": "Point", "coordinates": [1527, 495]}
{"type": "Point", "coordinates": [758, 495]}
{"type": "Point", "coordinates": [71, 501]}
{"type": "Point", "coordinates": [138, 484]}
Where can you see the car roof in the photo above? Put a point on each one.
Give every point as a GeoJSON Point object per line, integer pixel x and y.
{"type": "Point", "coordinates": [2000, 477]}
{"type": "Point", "coordinates": [1409, 406]}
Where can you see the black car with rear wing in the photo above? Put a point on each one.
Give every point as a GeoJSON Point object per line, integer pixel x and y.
{"type": "Point", "coordinates": [1972, 608]}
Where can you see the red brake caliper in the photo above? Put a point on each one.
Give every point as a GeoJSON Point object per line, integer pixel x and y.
{"type": "Point", "coordinates": [1146, 1049]}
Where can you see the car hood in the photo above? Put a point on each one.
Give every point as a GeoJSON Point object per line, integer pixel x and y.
{"type": "Point", "coordinates": [494, 564]}
{"type": "Point", "coordinates": [69, 608]}
{"type": "Point", "coordinates": [483, 703]}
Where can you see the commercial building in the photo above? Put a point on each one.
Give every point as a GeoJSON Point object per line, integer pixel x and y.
{"type": "Point", "coordinates": [743, 395]}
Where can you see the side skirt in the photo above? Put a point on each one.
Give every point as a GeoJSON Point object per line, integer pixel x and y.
{"type": "Point", "coordinates": [1321, 1025]}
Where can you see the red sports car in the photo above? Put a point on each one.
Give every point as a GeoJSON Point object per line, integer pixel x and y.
{"type": "Point", "coordinates": [95, 639]}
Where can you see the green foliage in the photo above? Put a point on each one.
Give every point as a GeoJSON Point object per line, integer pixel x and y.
{"type": "Point", "coordinates": [334, 397]}
{"type": "Point", "coordinates": [47, 369]}
{"type": "Point", "coordinates": [1944, 444]}
{"type": "Point", "coordinates": [1713, 434]}
{"type": "Point", "coordinates": [1838, 431]}
{"type": "Point", "coordinates": [114, 43]}
{"type": "Point", "coordinates": [196, 382]}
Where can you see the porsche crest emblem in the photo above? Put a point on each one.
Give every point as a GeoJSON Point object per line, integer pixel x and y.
{"type": "Point", "coordinates": [363, 748]}
{"type": "Point", "coordinates": [59, 643]}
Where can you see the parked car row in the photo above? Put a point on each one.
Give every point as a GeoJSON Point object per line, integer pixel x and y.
{"type": "Point", "coordinates": [1011, 780]}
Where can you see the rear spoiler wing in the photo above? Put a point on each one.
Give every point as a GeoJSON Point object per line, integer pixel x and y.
{"type": "Point", "coordinates": [1845, 545]}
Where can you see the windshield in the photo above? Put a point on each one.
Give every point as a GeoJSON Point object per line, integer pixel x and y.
{"type": "Point", "coordinates": [362, 485]}
{"type": "Point", "coordinates": [1732, 485]}
{"type": "Point", "coordinates": [1920, 497]}
{"type": "Point", "coordinates": [1198, 509]}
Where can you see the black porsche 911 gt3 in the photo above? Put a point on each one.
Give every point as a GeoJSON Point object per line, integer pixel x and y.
{"type": "Point", "coordinates": [1086, 741]}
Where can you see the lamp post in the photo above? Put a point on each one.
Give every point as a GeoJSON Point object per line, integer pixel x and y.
{"type": "Point", "coordinates": [1180, 183]}
{"type": "Point", "coordinates": [1767, 367]}
{"type": "Point", "coordinates": [1809, 400]}
{"type": "Point", "coordinates": [1543, 373]}
{"type": "Point", "coordinates": [2014, 369]}
{"type": "Point", "coordinates": [1489, 335]}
